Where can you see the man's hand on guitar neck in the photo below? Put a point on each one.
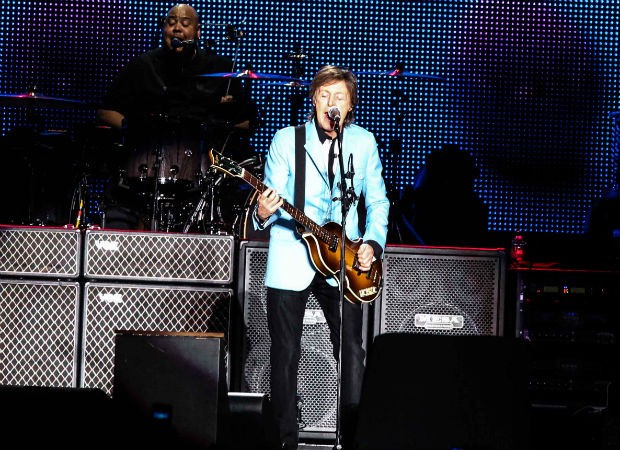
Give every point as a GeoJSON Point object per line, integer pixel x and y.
{"type": "Point", "coordinates": [267, 203]}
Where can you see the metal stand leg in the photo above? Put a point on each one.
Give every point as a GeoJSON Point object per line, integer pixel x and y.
{"type": "Point", "coordinates": [214, 224]}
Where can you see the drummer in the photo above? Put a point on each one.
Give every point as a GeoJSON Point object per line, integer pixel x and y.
{"type": "Point", "coordinates": [158, 92]}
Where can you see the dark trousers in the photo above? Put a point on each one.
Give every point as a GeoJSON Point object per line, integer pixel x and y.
{"type": "Point", "coordinates": [285, 314]}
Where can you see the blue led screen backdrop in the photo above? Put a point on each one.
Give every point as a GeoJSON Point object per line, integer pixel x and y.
{"type": "Point", "coordinates": [527, 87]}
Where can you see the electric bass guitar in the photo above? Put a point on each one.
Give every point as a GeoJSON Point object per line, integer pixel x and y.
{"type": "Point", "coordinates": [323, 242]}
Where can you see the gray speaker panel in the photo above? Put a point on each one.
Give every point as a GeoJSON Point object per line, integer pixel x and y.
{"type": "Point", "coordinates": [158, 257]}
{"type": "Point", "coordinates": [44, 252]}
{"type": "Point", "coordinates": [109, 307]}
{"type": "Point", "coordinates": [453, 291]}
{"type": "Point", "coordinates": [38, 333]}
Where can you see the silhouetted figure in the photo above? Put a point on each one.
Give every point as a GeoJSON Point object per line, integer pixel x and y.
{"type": "Point", "coordinates": [442, 205]}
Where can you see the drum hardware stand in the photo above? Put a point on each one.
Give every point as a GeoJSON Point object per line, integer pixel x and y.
{"type": "Point", "coordinates": [155, 205]}
{"type": "Point", "coordinates": [208, 196]}
{"type": "Point", "coordinates": [82, 220]}
{"type": "Point", "coordinates": [213, 226]}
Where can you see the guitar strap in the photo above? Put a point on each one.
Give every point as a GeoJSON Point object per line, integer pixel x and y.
{"type": "Point", "coordinates": [300, 167]}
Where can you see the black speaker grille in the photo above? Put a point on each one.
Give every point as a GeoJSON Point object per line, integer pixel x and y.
{"type": "Point", "coordinates": [317, 375]}
{"type": "Point", "coordinates": [42, 252]}
{"type": "Point", "coordinates": [38, 333]}
{"type": "Point", "coordinates": [110, 307]}
{"type": "Point", "coordinates": [441, 291]}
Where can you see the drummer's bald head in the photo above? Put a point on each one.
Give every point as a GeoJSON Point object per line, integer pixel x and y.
{"type": "Point", "coordinates": [183, 10]}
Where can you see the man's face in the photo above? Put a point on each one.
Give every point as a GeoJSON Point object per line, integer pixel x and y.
{"type": "Point", "coordinates": [326, 96]}
{"type": "Point", "coordinates": [181, 23]}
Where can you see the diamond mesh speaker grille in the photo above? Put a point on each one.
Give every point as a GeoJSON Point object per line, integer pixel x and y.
{"type": "Point", "coordinates": [158, 256]}
{"type": "Point", "coordinates": [441, 291]}
{"type": "Point", "coordinates": [110, 307]}
{"type": "Point", "coordinates": [38, 333]}
{"type": "Point", "coordinates": [317, 376]}
{"type": "Point", "coordinates": [44, 252]}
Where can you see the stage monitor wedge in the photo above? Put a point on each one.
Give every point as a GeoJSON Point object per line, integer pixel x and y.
{"type": "Point", "coordinates": [172, 388]}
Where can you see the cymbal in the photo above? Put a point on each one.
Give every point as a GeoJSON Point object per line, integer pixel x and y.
{"type": "Point", "coordinates": [293, 84]}
{"type": "Point", "coordinates": [31, 99]}
{"type": "Point", "coordinates": [399, 73]}
{"type": "Point", "coordinates": [250, 75]}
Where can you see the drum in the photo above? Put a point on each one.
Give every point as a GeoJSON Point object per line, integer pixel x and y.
{"type": "Point", "coordinates": [166, 156]}
{"type": "Point", "coordinates": [227, 203]}
{"type": "Point", "coordinates": [159, 176]}
{"type": "Point", "coordinates": [243, 222]}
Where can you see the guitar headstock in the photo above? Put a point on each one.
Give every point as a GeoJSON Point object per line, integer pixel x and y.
{"type": "Point", "coordinates": [224, 164]}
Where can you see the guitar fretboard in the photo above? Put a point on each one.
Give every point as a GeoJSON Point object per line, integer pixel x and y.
{"type": "Point", "coordinates": [320, 232]}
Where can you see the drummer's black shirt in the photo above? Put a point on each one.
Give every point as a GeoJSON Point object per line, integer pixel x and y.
{"type": "Point", "coordinates": [161, 82]}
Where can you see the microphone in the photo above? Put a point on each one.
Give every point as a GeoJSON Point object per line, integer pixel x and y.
{"type": "Point", "coordinates": [176, 43]}
{"type": "Point", "coordinates": [334, 114]}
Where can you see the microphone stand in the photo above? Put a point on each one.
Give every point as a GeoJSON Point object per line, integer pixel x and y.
{"type": "Point", "coordinates": [347, 198]}
{"type": "Point", "coordinates": [232, 34]}
{"type": "Point", "coordinates": [159, 156]}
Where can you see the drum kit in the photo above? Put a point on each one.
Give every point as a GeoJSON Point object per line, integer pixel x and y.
{"type": "Point", "coordinates": [158, 168]}
{"type": "Point", "coordinates": [165, 175]}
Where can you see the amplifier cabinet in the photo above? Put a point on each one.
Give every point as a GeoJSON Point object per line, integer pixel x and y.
{"type": "Point", "coordinates": [441, 290]}
{"type": "Point", "coordinates": [158, 257]}
{"type": "Point", "coordinates": [46, 252]}
{"type": "Point", "coordinates": [110, 307]}
{"type": "Point", "coordinates": [38, 332]}
{"type": "Point", "coordinates": [317, 377]}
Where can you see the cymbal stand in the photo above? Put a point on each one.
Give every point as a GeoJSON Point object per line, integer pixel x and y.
{"type": "Point", "coordinates": [296, 97]}
{"type": "Point", "coordinates": [235, 35]}
{"type": "Point", "coordinates": [394, 154]}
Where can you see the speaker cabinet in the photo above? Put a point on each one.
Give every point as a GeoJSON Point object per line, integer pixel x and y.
{"type": "Point", "coordinates": [109, 307]}
{"type": "Point", "coordinates": [171, 387]}
{"type": "Point", "coordinates": [452, 291]}
{"type": "Point", "coordinates": [38, 333]}
{"type": "Point", "coordinates": [317, 378]}
{"type": "Point", "coordinates": [45, 252]}
{"type": "Point", "coordinates": [158, 257]}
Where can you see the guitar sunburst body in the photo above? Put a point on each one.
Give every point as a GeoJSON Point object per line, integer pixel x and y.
{"type": "Point", "coordinates": [323, 242]}
{"type": "Point", "coordinates": [360, 287]}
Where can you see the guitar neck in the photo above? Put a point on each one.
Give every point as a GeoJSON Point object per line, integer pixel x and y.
{"type": "Point", "coordinates": [320, 232]}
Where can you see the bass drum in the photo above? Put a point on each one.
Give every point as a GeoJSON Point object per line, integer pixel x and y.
{"type": "Point", "coordinates": [244, 225]}
{"type": "Point", "coordinates": [236, 200]}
